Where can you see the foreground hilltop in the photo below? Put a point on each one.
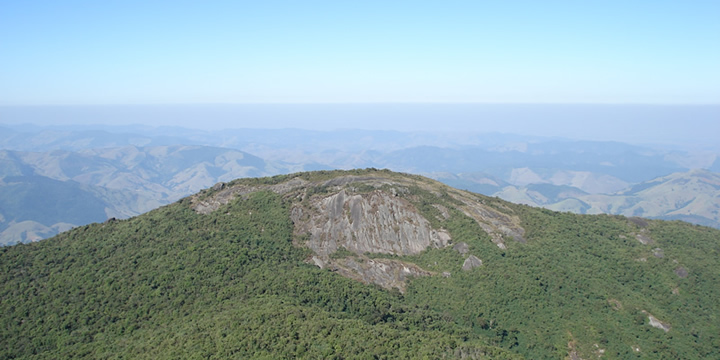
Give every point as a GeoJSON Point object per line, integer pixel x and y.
{"type": "Point", "coordinates": [362, 263]}
{"type": "Point", "coordinates": [350, 220]}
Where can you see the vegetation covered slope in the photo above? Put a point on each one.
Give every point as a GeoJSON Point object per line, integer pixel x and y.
{"type": "Point", "coordinates": [235, 282]}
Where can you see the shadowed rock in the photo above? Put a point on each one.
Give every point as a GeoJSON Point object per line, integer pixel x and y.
{"type": "Point", "coordinates": [462, 248]}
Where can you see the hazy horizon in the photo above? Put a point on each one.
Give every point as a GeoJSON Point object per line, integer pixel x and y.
{"type": "Point", "coordinates": [614, 70]}
{"type": "Point", "coordinates": [636, 124]}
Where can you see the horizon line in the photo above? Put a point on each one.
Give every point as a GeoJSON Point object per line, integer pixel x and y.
{"type": "Point", "coordinates": [365, 103]}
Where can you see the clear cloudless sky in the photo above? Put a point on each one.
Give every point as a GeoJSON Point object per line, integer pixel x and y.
{"type": "Point", "coordinates": [193, 52]}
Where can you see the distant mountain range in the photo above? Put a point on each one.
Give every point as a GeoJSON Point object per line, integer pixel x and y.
{"type": "Point", "coordinates": [53, 178]}
{"type": "Point", "coordinates": [692, 196]}
{"type": "Point", "coordinates": [43, 193]}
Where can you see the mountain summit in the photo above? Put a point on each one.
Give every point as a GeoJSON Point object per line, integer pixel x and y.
{"type": "Point", "coordinates": [374, 213]}
{"type": "Point", "coordinates": [358, 264]}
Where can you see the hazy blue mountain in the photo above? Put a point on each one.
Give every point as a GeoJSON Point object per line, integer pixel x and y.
{"type": "Point", "coordinates": [162, 164]}
{"type": "Point", "coordinates": [41, 191]}
{"type": "Point", "coordinates": [692, 196]}
{"type": "Point", "coordinates": [34, 207]}
{"type": "Point", "coordinates": [594, 173]}
{"type": "Point", "coordinates": [73, 140]}
{"type": "Point", "coordinates": [480, 183]}
{"type": "Point", "coordinates": [716, 165]}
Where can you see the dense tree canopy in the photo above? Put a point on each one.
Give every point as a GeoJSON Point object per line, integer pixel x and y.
{"type": "Point", "coordinates": [230, 284]}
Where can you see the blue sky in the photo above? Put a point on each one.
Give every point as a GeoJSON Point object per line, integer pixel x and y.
{"type": "Point", "coordinates": [179, 52]}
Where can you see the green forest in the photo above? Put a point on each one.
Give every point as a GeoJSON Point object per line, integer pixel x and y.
{"type": "Point", "coordinates": [173, 283]}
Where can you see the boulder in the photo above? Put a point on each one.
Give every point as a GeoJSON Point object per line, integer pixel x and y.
{"type": "Point", "coordinates": [471, 262]}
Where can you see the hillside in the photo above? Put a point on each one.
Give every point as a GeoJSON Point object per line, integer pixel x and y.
{"type": "Point", "coordinates": [362, 264]}
{"type": "Point", "coordinates": [692, 196]}
{"type": "Point", "coordinates": [34, 207]}
{"type": "Point", "coordinates": [160, 172]}
{"type": "Point", "coordinates": [143, 167]}
{"type": "Point", "coordinates": [42, 193]}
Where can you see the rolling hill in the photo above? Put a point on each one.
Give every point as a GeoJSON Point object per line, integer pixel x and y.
{"type": "Point", "coordinates": [42, 193]}
{"type": "Point", "coordinates": [362, 264]}
{"type": "Point", "coordinates": [692, 196]}
{"type": "Point", "coordinates": [132, 169]}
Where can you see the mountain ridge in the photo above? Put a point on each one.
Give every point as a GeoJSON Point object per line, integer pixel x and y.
{"type": "Point", "coordinates": [113, 182]}
{"type": "Point", "coordinates": [692, 196]}
{"type": "Point", "coordinates": [142, 162]}
{"type": "Point", "coordinates": [231, 271]}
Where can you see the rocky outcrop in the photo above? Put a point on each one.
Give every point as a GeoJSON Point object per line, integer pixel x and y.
{"type": "Point", "coordinates": [654, 322]}
{"type": "Point", "coordinates": [224, 194]}
{"type": "Point", "coordinates": [471, 262]}
{"type": "Point", "coordinates": [500, 226]}
{"type": "Point", "coordinates": [461, 248]}
{"type": "Point", "coordinates": [387, 273]}
{"type": "Point", "coordinates": [644, 238]}
{"type": "Point", "coordinates": [373, 213]}
{"type": "Point", "coordinates": [376, 222]}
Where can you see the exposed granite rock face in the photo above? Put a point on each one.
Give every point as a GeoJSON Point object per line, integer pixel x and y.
{"type": "Point", "coordinates": [225, 194]}
{"type": "Point", "coordinates": [471, 262]}
{"type": "Point", "coordinates": [443, 211]}
{"type": "Point", "coordinates": [497, 224]}
{"type": "Point", "coordinates": [387, 273]}
{"type": "Point", "coordinates": [644, 239]}
{"type": "Point", "coordinates": [376, 222]}
{"type": "Point", "coordinates": [654, 322]}
{"type": "Point", "coordinates": [371, 213]}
